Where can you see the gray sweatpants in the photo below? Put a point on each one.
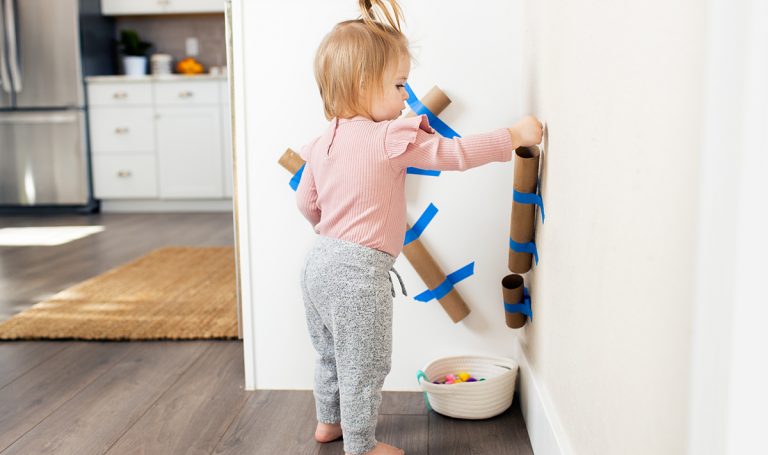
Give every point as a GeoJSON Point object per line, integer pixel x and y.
{"type": "Point", "coordinates": [348, 300]}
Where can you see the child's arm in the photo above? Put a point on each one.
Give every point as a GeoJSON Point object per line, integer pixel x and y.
{"type": "Point", "coordinates": [410, 142]}
{"type": "Point", "coordinates": [306, 197]}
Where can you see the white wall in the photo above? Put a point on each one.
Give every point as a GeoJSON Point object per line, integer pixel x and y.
{"type": "Point", "coordinates": [621, 86]}
{"type": "Point", "coordinates": [728, 394]}
{"type": "Point", "coordinates": [472, 55]}
{"type": "Point", "coordinates": [652, 107]}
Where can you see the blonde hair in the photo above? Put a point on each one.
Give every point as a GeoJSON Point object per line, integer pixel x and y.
{"type": "Point", "coordinates": [357, 54]}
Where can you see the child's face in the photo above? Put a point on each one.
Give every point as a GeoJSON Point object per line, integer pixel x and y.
{"type": "Point", "coordinates": [389, 104]}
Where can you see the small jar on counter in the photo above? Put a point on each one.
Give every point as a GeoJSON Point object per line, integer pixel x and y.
{"type": "Point", "coordinates": [161, 64]}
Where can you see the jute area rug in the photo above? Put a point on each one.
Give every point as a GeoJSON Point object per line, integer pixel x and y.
{"type": "Point", "coordinates": [171, 293]}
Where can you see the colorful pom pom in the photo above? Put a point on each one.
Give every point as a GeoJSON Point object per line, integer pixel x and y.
{"type": "Point", "coordinates": [462, 376]}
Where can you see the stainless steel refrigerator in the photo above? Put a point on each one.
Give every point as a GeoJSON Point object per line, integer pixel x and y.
{"type": "Point", "coordinates": [47, 47]}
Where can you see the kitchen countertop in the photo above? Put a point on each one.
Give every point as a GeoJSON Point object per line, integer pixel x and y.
{"type": "Point", "coordinates": [155, 78]}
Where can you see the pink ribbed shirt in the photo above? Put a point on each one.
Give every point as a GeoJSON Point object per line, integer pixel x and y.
{"type": "Point", "coordinates": [353, 186]}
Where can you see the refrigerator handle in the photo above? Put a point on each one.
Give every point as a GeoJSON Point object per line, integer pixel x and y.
{"type": "Point", "coordinates": [5, 78]}
{"type": "Point", "coordinates": [43, 119]}
{"type": "Point", "coordinates": [13, 53]}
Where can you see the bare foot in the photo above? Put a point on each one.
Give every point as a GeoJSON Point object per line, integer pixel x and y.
{"type": "Point", "coordinates": [385, 449]}
{"type": "Point", "coordinates": [327, 432]}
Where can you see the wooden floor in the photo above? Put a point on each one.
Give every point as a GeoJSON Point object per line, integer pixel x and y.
{"type": "Point", "coordinates": [174, 397]}
{"type": "Point", "coordinates": [31, 274]}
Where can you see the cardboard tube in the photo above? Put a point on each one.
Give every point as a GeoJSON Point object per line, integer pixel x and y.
{"type": "Point", "coordinates": [435, 100]}
{"type": "Point", "coordinates": [415, 252]}
{"type": "Point", "coordinates": [430, 273]}
{"type": "Point", "coordinates": [512, 291]}
{"type": "Point", "coordinates": [522, 223]}
{"type": "Point", "coordinates": [291, 161]}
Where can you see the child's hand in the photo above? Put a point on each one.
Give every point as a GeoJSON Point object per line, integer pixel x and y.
{"type": "Point", "coordinates": [526, 132]}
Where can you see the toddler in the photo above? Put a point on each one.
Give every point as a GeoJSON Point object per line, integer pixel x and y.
{"type": "Point", "coordinates": [353, 193]}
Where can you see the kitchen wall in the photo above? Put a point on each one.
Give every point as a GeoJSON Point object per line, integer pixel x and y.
{"type": "Point", "coordinates": [169, 33]}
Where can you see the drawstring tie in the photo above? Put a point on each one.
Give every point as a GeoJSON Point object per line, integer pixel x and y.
{"type": "Point", "coordinates": [400, 279]}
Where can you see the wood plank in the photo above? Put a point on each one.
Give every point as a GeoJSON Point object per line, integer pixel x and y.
{"type": "Point", "coordinates": [273, 422]}
{"type": "Point", "coordinates": [170, 397]}
{"type": "Point", "coordinates": [40, 272]}
{"type": "Point", "coordinates": [34, 273]}
{"type": "Point", "coordinates": [32, 397]}
{"type": "Point", "coordinates": [18, 357]}
{"type": "Point", "coordinates": [94, 419]}
{"type": "Point", "coordinates": [192, 416]}
{"type": "Point", "coordinates": [408, 432]}
{"type": "Point", "coordinates": [503, 434]}
{"type": "Point", "coordinates": [406, 403]}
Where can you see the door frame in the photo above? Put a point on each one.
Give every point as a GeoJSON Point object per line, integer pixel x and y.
{"type": "Point", "coordinates": [241, 193]}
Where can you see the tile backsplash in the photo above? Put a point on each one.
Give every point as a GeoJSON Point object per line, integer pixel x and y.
{"type": "Point", "coordinates": [169, 33]}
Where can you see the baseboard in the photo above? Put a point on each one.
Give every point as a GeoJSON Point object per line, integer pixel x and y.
{"type": "Point", "coordinates": [544, 428]}
{"type": "Point", "coordinates": [154, 205]}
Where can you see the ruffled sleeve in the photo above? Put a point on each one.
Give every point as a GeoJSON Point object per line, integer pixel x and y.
{"type": "Point", "coordinates": [305, 151]}
{"type": "Point", "coordinates": [410, 142]}
{"type": "Point", "coordinates": [402, 132]}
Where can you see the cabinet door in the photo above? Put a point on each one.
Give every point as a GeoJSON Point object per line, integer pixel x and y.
{"type": "Point", "coordinates": [191, 92]}
{"type": "Point", "coordinates": [114, 94]}
{"type": "Point", "coordinates": [122, 129]}
{"type": "Point", "coordinates": [194, 6]}
{"type": "Point", "coordinates": [189, 152]}
{"type": "Point", "coordinates": [118, 7]}
{"type": "Point", "coordinates": [124, 176]}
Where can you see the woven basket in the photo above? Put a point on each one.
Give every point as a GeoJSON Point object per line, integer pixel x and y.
{"type": "Point", "coordinates": [470, 400]}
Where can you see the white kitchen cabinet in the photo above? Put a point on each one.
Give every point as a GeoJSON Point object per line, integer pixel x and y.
{"type": "Point", "coordinates": [195, 6]}
{"type": "Point", "coordinates": [189, 152]}
{"type": "Point", "coordinates": [121, 120]}
{"type": "Point", "coordinates": [160, 140]}
{"type": "Point", "coordinates": [120, 94]}
{"type": "Point", "coordinates": [187, 93]}
{"type": "Point", "coordinates": [122, 129]}
{"type": "Point", "coordinates": [122, 176]}
{"type": "Point", "coordinates": [129, 7]}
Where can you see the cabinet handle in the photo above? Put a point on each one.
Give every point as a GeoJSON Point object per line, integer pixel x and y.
{"type": "Point", "coordinates": [121, 130]}
{"type": "Point", "coordinates": [120, 95]}
{"type": "Point", "coordinates": [123, 174]}
{"type": "Point", "coordinates": [186, 94]}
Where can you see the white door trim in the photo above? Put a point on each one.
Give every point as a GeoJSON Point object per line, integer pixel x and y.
{"type": "Point", "coordinates": [241, 197]}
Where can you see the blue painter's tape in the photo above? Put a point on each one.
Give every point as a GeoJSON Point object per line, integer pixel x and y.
{"type": "Point", "coordinates": [417, 171]}
{"type": "Point", "coordinates": [297, 178]}
{"type": "Point", "coordinates": [446, 286]}
{"type": "Point", "coordinates": [529, 247]}
{"type": "Point", "coordinates": [524, 307]}
{"type": "Point", "coordinates": [529, 198]}
{"type": "Point", "coordinates": [415, 231]}
{"type": "Point", "coordinates": [419, 108]}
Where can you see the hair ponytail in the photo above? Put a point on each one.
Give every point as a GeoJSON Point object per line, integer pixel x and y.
{"type": "Point", "coordinates": [356, 54]}
{"type": "Point", "coordinates": [375, 13]}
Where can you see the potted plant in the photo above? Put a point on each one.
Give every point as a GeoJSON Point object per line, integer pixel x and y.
{"type": "Point", "coordinates": [134, 52]}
